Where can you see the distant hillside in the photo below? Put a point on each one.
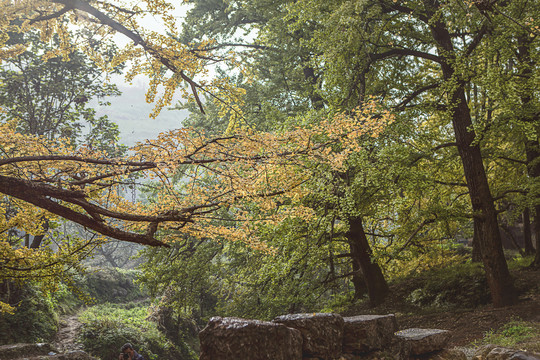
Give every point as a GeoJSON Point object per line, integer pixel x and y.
{"type": "Point", "coordinates": [131, 112]}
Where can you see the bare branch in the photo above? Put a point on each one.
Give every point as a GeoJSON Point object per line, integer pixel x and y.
{"type": "Point", "coordinates": [413, 95]}
{"type": "Point", "coordinates": [404, 52]}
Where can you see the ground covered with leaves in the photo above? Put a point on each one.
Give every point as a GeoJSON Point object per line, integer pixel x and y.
{"type": "Point", "coordinates": [425, 302]}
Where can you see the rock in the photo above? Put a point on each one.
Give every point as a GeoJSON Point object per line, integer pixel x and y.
{"type": "Point", "coordinates": [240, 339]}
{"type": "Point", "coordinates": [375, 355]}
{"type": "Point", "coordinates": [15, 351]}
{"type": "Point", "coordinates": [322, 334]}
{"type": "Point", "coordinates": [494, 352]}
{"type": "Point", "coordinates": [422, 341]}
{"type": "Point", "coordinates": [483, 350]}
{"type": "Point", "coordinates": [366, 333]}
{"type": "Point", "coordinates": [447, 354]}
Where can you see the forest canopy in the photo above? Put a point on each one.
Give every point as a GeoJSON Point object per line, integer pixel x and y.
{"type": "Point", "coordinates": [384, 126]}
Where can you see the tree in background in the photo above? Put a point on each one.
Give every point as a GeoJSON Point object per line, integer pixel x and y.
{"type": "Point", "coordinates": [51, 99]}
{"type": "Point", "coordinates": [260, 179]}
{"type": "Point", "coordinates": [426, 72]}
{"type": "Point", "coordinates": [425, 61]}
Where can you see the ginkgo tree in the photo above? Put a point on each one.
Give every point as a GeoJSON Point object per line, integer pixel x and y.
{"type": "Point", "coordinates": [151, 53]}
{"type": "Point", "coordinates": [51, 178]}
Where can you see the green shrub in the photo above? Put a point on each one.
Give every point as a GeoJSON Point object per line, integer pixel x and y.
{"type": "Point", "coordinates": [462, 285]}
{"type": "Point", "coordinates": [107, 327]}
{"type": "Point", "coordinates": [519, 262]}
{"type": "Point", "coordinates": [110, 285]}
{"type": "Point", "coordinates": [34, 320]}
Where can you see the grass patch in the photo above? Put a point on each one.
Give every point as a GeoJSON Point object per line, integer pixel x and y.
{"type": "Point", "coordinates": [517, 334]}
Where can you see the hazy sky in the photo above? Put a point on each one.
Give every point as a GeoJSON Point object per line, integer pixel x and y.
{"type": "Point", "coordinates": [131, 111]}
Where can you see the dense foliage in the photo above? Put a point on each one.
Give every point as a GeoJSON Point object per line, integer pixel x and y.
{"type": "Point", "coordinates": [35, 320]}
{"type": "Point", "coordinates": [107, 327]}
{"type": "Point", "coordinates": [332, 147]}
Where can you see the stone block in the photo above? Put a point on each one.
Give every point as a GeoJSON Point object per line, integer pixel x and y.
{"type": "Point", "coordinates": [365, 333]}
{"type": "Point", "coordinates": [322, 334]}
{"type": "Point", "coordinates": [422, 341]}
{"type": "Point", "coordinates": [446, 354]}
{"type": "Point", "coordinates": [240, 339]}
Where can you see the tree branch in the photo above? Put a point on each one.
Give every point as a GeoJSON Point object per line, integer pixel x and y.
{"type": "Point", "coordinates": [413, 95]}
{"type": "Point", "coordinates": [404, 52]}
{"type": "Point", "coordinates": [136, 38]}
{"type": "Point", "coordinates": [55, 15]}
{"type": "Point", "coordinates": [477, 39]}
{"type": "Point", "coordinates": [34, 194]}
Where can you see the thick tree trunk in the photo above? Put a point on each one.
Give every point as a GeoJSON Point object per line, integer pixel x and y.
{"type": "Point", "coordinates": [536, 262]}
{"type": "Point", "coordinates": [361, 255]}
{"type": "Point", "coordinates": [527, 235]}
{"type": "Point", "coordinates": [489, 240]}
{"type": "Point", "coordinates": [476, 253]}
{"type": "Point", "coordinates": [315, 98]}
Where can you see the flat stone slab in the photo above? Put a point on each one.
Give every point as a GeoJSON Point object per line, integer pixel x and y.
{"type": "Point", "coordinates": [241, 339]}
{"type": "Point", "coordinates": [422, 341]}
{"type": "Point", "coordinates": [365, 333]}
{"type": "Point", "coordinates": [41, 351]}
{"type": "Point", "coordinates": [322, 333]}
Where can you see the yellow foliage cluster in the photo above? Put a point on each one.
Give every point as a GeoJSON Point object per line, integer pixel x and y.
{"type": "Point", "coordinates": [170, 65]}
{"type": "Point", "coordinates": [243, 177]}
{"type": "Point", "coordinates": [238, 171]}
{"type": "Point", "coordinates": [42, 266]}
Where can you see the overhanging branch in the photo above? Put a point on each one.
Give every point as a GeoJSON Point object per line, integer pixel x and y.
{"type": "Point", "coordinates": [33, 193]}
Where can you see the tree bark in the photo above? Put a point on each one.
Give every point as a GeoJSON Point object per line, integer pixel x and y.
{"type": "Point", "coordinates": [315, 98]}
{"type": "Point", "coordinates": [527, 235]}
{"type": "Point", "coordinates": [536, 262]}
{"type": "Point", "coordinates": [361, 255]}
{"type": "Point", "coordinates": [476, 253]}
{"type": "Point", "coordinates": [489, 240]}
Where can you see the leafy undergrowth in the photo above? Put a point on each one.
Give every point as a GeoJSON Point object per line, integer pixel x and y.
{"type": "Point", "coordinates": [107, 327]}
{"type": "Point", "coordinates": [456, 298]}
{"type": "Point", "coordinates": [34, 320]}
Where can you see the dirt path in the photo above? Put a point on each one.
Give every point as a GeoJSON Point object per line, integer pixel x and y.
{"type": "Point", "coordinates": [66, 338]}
{"type": "Point", "coordinates": [467, 326]}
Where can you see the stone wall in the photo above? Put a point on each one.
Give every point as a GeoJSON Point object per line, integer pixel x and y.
{"type": "Point", "coordinates": [332, 337]}
{"type": "Point", "coordinates": [315, 337]}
